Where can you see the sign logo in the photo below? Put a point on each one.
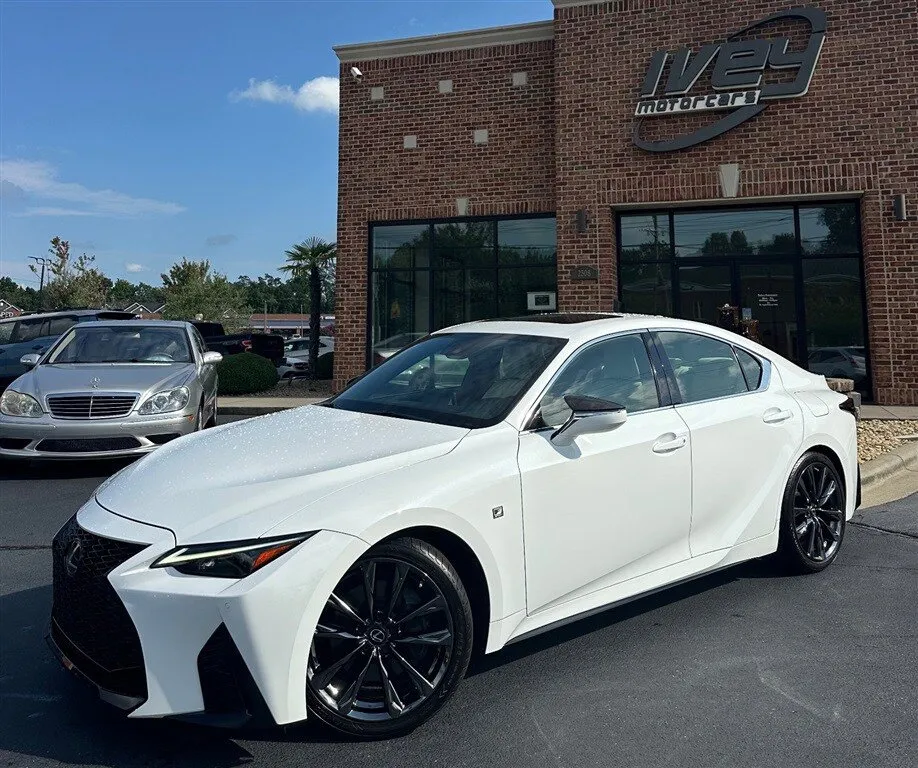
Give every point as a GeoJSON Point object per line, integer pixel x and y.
{"type": "Point", "coordinates": [94, 382]}
{"type": "Point", "coordinates": [74, 556]}
{"type": "Point", "coordinates": [739, 68]}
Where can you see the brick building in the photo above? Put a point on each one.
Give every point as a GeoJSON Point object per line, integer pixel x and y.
{"type": "Point", "coordinates": [658, 156]}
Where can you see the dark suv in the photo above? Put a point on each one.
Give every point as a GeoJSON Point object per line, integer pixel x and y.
{"type": "Point", "coordinates": [29, 334]}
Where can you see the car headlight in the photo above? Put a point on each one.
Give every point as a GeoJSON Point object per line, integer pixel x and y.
{"type": "Point", "coordinates": [231, 559]}
{"type": "Point", "coordinates": [166, 401]}
{"type": "Point", "coordinates": [14, 403]}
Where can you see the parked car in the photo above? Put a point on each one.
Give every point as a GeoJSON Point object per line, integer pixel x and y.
{"type": "Point", "coordinates": [33, 334]}
{"type": "Point", "coordinates": [269, 345]}
{"type": "Point", "coordinates": [839, 362]}
{"type": "Point", "coordinates": [581, 461]}
{"type": "Point", "coordinates": [299, 348]}
{"type": "Point", "coordinates": [110, 389]}
{"type": "Point", "coordinates": [293, 368]}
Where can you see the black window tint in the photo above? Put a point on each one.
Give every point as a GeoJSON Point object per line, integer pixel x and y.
{"type": "Point", "coordinates": [6, 332]}
{"type": "Point", "coordinates": [705, 368]}
{"type": "Point", "coordinates": [617, 370]}
{"type": "Point", "coordinates": [29, 330]}
{"type": "Point", "coordinates": [752, 369]}
{"type": "Point", "coordinates": [58, 325]}
{"type": "Point", "coordinates": [645, 237]}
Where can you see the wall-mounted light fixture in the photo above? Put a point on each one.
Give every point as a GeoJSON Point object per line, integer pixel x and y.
{"type": "Point", "coordinates": [582, 221]}
{"type": "Point", "coordinates": [899, 210]}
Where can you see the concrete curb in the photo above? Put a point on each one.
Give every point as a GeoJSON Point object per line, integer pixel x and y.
{"type": "Point", "coordinates": [903, 459]}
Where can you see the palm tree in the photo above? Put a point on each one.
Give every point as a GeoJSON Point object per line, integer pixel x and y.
{"type": "Point", "coordinates": [310, 258]}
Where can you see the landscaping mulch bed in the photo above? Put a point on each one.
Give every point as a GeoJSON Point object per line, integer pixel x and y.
{"type": "Point", "coordinates": [878, 436]}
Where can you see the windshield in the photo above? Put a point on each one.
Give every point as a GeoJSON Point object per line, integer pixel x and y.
{"type": "Point", "coordinates": [123, 343]}
{"type": "Point", "coordinates": [461, 379]}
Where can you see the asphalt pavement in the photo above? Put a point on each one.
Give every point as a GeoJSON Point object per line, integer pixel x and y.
{"type": "Point", "coordinates": [744, 667]}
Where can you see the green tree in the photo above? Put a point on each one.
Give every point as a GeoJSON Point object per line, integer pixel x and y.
{"type": "Point", "coordinates": [122, 293]}
{"type": "Point", "coordinates": [311, 258]}
{"type": "Point", "coordinates": [25, 298]}
{"type": "Point", "coordinates": [72, 282]}
{"type": "Point", "coordinates": [192, 291]}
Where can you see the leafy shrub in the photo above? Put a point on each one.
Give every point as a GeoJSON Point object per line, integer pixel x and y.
{"type": "Point", "coordinates": [324, 366]}
{"type": "Point", "coordinates": [245, 373]}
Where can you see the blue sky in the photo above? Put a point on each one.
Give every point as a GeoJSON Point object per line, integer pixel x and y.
{"type": "Point", "coordinates": [147, 131]}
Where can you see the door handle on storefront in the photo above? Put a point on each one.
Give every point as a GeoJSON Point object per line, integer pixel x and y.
{"type": "Point", "coordinates": [669, 443]}
{"type": "Point", "coordinates": [776, 416]}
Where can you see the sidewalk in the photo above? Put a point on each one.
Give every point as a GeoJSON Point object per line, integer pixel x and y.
{"type": "Point", "coordinates": [258, 406]}
{"type": "Point", "coordinates": [889, 412]}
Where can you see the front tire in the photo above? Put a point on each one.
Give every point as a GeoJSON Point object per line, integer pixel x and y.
{"type": "Point", "coordinates": [392, 644]}
{"type": "Point", "coordinates": [812, 515]}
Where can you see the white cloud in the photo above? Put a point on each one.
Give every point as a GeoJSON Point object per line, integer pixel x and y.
{"type": "Point", "coordinates": [133, 267]}
{"type": "Point", "coordinates": [317, 95]}
{"type": "Point", "coordinates": [38, 181]}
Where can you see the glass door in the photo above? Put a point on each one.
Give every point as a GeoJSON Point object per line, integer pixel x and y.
{"type": "Point", "coordinates": [703, 290]}
{"type": "Point", "coordinates": [767, 297]}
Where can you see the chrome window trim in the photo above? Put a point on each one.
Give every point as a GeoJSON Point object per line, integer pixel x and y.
{"type": "Point", "coordinates": [531, 410]}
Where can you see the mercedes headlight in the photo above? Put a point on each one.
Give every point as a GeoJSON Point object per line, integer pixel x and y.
{"type": "Point", "coordinates": [14, 403]}
{"type": "Point", "coordinates": [229, 560]}
{"type": "Point", "coordinates": [166, 401]}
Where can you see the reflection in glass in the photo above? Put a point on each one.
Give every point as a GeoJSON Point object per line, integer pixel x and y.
{"type": "Point", "coordinates": [401, 307]}
{"type": "Point", "coordinates": [463, 295]}
{"type": "Point", "coordinates": [463, 244]}
{"type": "Point", "coordinates": [703, 291]}
{"type": "Point", "coordinates": [765, 231]}
{"type": "Point", "coordinates": [526, 241]}
{"type": "Point", "coordinates": [647, 288]}
{"type": "Point", "coordinates": [767, 297]}
{"type": "Point", "coordinates": [835, 319]}
{"type": "Point", "coordinates": [829, 229]}
{"type": "Point", "coordinates": [402, 246]}
{"type": "Point", "coordinates": [645, 237]}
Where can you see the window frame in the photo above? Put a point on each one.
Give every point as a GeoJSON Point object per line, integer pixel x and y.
{"type": "Point", "coordinates": [766, 364]}
{"type": "Point", "coordinates": [533, 420]}
{"type": "Point", "coordinates": [432, 270]}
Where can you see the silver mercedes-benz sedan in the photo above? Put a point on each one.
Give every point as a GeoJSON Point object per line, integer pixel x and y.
{"type": "Point", "coordinates": [109, 389]}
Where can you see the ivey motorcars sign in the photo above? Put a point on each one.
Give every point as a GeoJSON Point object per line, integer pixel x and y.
{"type": "Point", "coordinates": [739, 68]}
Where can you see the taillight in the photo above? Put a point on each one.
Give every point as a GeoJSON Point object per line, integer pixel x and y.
{"type": "Point", "coordinates": [247, 344]}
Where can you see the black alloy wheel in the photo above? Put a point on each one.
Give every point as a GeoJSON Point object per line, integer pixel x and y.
{"type": "Point", "coordinates": [392, 643]}
{"type": "Point", "coordinates": [813, 515]}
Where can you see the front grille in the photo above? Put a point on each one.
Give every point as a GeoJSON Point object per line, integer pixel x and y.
{"type": "Point", "coordinates": [88, 618]}
{"type": "Point", "coordinates": [88, 445]}
{"type": "Point", "coordinates": [90, 406]}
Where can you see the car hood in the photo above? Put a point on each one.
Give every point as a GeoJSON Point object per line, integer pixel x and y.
{"type": "Point", "coordinates": [240, 480]}
{"type": "Point", "coordinates": [50, 379]}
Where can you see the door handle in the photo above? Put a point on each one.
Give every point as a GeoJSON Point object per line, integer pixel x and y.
{"type": "Point", "coordinates": [776, 416]}
{"type": "Point", "coordinates": [669, 443]}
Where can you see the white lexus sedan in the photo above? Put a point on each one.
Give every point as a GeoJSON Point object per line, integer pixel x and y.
{"type": "Point", "coordinates": [488, 482]}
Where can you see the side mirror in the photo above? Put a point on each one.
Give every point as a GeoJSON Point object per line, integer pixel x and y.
{"type": "Point", "coordinates": [589, 415]}
{"type": "Point", "coordinates": [30, 360]}
{"type": "Point", "coordinates": [212, 358]}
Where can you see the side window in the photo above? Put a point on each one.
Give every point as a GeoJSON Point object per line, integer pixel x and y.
{"type": "Point", "coordinates": [28, 330]}
{"type": "Point", "coordinates": [6, 332]}
{"type": "Point", "coordinates": [58, 325]}
{"type": "Point", "coordinates": [617, 370]}
{"type": "Point", "coordinates": [198, 342]}
{"type": "Point", "coordinates": [752, 368]}
{"type": "Point", "coordinates": [705, 368]}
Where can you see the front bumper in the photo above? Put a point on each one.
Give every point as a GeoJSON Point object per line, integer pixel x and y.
{"type": "Point", "coordinates": [50, 438]}
{"type": "Point", "coordinates": [215, 650]}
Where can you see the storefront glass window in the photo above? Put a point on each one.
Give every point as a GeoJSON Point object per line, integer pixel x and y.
{"type": "Point", "coordinates": [759, 232]}
{"type": "Point", "coordinates": [756, 271]}
{"type": "Point", "coordinates": [435, 274]}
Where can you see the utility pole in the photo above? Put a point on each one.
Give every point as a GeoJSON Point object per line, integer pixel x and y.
{"type": "Point", "coordinates": [266, 315]}
{"type": "Point", "coordinates": [45, 262]}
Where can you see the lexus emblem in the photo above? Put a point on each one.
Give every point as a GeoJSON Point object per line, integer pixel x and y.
{"type": "Point", "coordinates": [74, 555]}
{"type": "Point", "coordinates": [377, 635]}
{"type": "Point", "coordinates": [94, 382]}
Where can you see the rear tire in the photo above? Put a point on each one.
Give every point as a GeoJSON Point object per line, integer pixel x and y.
{"type": "Point", "coordinates": [392, 644]}
{"type": "Point", "coordinates": [812, 515]}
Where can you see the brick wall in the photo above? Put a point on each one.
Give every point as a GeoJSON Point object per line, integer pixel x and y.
{"type": "Point", "coordinates": [563, 143]}
{"type": "Point", "coordinates": [379, 180]}
{"type": "Point", "coordinates": [855, 131]}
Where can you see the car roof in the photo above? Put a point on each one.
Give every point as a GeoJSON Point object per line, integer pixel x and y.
{"type": "Point", "coordinates": [65, 313]}
{"type": "Point", "coordinates": [135, 323]}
